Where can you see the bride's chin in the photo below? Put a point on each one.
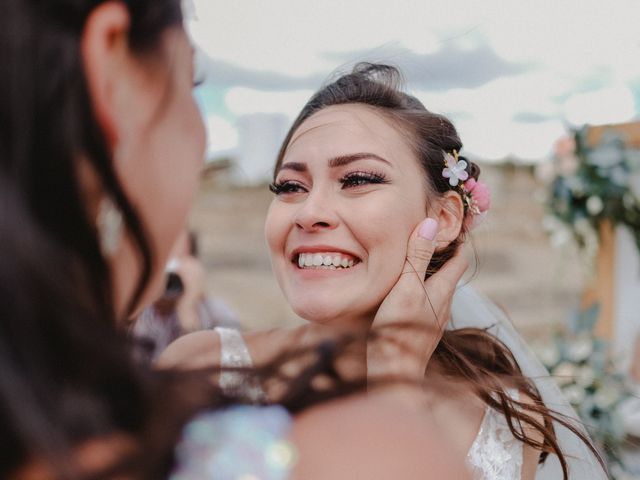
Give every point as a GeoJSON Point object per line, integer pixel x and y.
{"type": "Point", "coordinates": [331, 317]}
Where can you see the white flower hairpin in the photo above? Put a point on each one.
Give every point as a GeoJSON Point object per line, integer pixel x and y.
{"type": "Point", "coordinates": [456, 170]}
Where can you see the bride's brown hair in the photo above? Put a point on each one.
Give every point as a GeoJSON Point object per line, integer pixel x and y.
{"type": "Point", "coordinates": [471, 354]}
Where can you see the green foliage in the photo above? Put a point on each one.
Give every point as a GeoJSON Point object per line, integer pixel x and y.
{"type": "Point", "coordinates": [603, 183]}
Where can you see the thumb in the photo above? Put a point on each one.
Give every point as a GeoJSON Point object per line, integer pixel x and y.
{"type": "Point", "coordinates": [421, 246]}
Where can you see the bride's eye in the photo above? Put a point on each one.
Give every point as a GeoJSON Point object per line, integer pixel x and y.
{"type": "Point", "coordinates": [356, 179]}
{"type": "Point", "coordinates": [286, 186]}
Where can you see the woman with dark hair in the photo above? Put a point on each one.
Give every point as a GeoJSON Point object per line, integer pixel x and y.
{"type": "Point", "coordinates": [100, 149]}
{"type": "Point", "coordinates": [362, 164]}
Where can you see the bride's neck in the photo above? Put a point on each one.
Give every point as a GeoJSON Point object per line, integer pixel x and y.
{"type": "Point", "coordinates": [353, 332]}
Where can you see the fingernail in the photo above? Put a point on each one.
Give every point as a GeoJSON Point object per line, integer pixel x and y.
{"type": "Point", "coordinates": [428, 229]}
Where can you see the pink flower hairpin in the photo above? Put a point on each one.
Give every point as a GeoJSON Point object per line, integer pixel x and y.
{"type": "Point", "coordinates": [475, 195]}
{"type": "Point", "coordinates": [480, 196]}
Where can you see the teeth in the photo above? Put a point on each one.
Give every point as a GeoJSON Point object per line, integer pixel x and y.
{"type": "Point", "coordinates": [308, 260]}
{"type": "Point", "coordinates": [330, 261]}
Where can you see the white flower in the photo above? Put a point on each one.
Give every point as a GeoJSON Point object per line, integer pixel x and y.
{"type": "Point", "coordinates": [580, 349]}
{"type": "Point", "coordinates": [629, 411]}
{"type": "Point", "coordinates": [606, 396]}
{"type": "Point", "coordinates": [564, 373]}
{"type": "Point", "coordinates": [560, 238]}
{"type": "Point", "coordinates": [585, 376]}
{"type": "Point", "coordinates": [594, 205]}
{"type": "Point", "coordinates": [455, 170]}
{"type": "Point", "coordinates": [574, 394]}
{"type": "Point", "coordinates": [548, 354]}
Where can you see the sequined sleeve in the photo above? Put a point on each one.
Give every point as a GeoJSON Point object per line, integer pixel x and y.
{"type": "Point", "coordinates": [234, 353]}
{"type": "Point", "coordinates": [239, 443]}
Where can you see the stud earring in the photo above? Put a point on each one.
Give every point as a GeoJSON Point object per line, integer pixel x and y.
{"type": "Point", "coordinates": [109, 223]}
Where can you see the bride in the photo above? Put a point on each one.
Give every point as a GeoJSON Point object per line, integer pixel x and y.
{"type": "Point", "coordinates": [362, 165]}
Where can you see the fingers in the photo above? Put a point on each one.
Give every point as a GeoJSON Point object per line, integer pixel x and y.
{"type": "Point", "coordinates": [421, 246]}
{"type": "Point", "coordinates": [454, 268]}
{"type": "Point", "coordinates": [443, 282]}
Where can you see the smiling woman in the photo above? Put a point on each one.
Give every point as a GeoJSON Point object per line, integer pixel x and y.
{"type": "Point", "coordinates": [362, 164]}
{"type": "Point", "coordinates": [348, 187]}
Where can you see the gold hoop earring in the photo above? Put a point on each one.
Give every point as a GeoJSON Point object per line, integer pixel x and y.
{"type": "Point", "coordinates": [109, 223]}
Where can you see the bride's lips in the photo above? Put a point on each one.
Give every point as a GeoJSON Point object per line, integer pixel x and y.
{"type": "Point", "coordinates": [323, 258]}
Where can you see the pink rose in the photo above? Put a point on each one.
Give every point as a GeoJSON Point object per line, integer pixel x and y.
{"type": "Point", "coordinates": [482, 196]}
{"type": "Point", "coordinates": [470, 184]}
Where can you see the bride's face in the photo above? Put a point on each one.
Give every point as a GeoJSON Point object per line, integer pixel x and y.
{"type": "Point", "coordinates": [350, 192]}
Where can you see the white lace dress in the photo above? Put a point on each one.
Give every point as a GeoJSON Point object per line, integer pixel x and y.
{"type": "Point", "coordinates": [494, 455]}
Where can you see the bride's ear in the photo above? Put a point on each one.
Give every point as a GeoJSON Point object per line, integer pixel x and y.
{"type": "Point", "coordinates": [450, 215]}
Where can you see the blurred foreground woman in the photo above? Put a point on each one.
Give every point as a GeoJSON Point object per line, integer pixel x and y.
{"type": "Point", "coordinates": [100, 149]}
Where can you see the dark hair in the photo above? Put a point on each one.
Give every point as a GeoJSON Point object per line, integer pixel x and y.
{"type": "Point", "coordinates": [471, 354]}
{"type": "Point", "coordinates": [66, 372]}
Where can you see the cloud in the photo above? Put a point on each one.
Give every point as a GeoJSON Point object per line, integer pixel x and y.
{"type": "Point", "coordinates": [532, 117]}
{"type": "Point", "coordinates": [226, 74]}
{"type": "Point", "coordinates": [451, 66]}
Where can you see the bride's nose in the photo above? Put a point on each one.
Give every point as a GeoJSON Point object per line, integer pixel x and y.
{"type": "Point", "coordinates": [316, 213]}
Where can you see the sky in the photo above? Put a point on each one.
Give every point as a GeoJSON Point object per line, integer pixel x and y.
{"type": "Point", "coordinates": [512, 75]}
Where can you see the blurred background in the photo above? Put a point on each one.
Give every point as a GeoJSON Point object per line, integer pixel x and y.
{"type": "Point", "coordinates": [546, 97]}
{"type": "Point", "coordinates": [515, 77]}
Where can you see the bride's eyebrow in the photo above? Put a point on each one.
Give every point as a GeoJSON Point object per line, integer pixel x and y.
{"type": "Point", "coordinates": [335, 162]}
{"type": "Point", "coordinates": [343, 160]}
